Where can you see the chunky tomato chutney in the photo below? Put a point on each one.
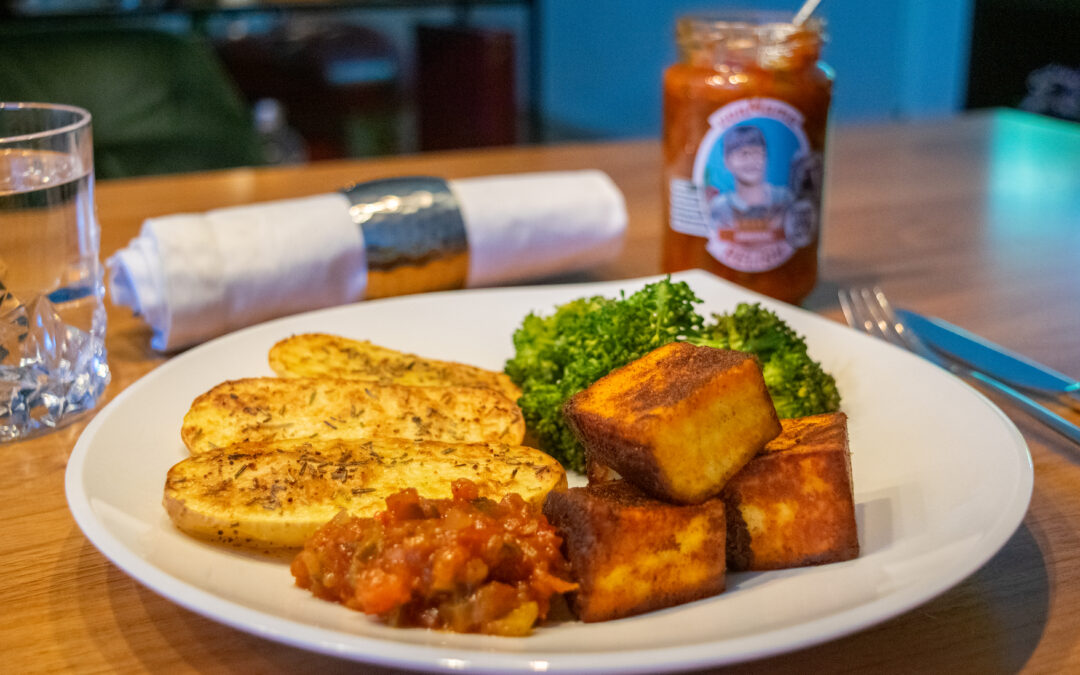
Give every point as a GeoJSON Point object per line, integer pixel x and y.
{"type": "Point", "coordinates": [467, 564]}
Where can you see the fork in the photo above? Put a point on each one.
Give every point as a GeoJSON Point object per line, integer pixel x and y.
{"type": "Point", "coordinates": [868, 310]}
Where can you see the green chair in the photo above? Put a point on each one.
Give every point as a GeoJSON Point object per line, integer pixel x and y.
{"type": "Point", "coordinates": [161, 103]}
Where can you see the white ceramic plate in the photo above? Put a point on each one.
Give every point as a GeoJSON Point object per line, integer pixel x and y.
{"type": "Point", "coordinates": [942, 479]}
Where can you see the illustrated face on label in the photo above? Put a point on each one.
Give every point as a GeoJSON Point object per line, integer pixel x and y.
{"type": "Point", "coordinates": [746, 164]}
{"type": "Point", "coordinates": [756, 186]}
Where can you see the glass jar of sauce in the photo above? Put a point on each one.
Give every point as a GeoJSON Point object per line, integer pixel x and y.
{"type": "Point", "coordinates": [745, 112]}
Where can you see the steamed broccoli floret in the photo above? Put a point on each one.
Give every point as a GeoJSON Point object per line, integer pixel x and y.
{"type": "Point", "coordinates": [559, 355]}
{"type": "Point", "coordinates": [797, 384]}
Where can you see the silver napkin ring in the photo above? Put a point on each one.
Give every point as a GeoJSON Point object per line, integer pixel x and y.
{"type": "Point", "coordinates": [414, 235]}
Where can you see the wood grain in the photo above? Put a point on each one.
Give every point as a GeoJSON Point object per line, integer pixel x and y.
{"type": "Point", "coordinates": [975, 219]}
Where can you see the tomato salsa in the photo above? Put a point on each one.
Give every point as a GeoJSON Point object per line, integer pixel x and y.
{"type": "Point", "coordinates": [745, 114]}
{"type": "Point", "coordinates": [467, 564]}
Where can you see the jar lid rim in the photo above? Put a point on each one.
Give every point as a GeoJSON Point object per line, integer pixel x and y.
{"type": "Point", "coordinates": [747, 29]}
{"type": "Point", "coordinates": [751, 20]}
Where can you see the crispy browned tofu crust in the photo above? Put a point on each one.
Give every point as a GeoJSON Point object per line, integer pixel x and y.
{"type": "Point", "coordinates": [272, 409]}
{"type": "Point", "coordinates": [679, 422]}
{"type": "Point", "coordinates": [793, 504]}
{"type": "Point", "coordinates": [321, 355]}
{"type": "Point", "coordinates": [276, 494]}
{"type": "Point", "coordinates": [631, 553]}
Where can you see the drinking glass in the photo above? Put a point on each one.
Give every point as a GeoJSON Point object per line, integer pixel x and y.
{"type": "Point", "coordinates": [52, 316]}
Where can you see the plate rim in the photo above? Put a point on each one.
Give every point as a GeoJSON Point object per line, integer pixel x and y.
{"type": "Point", "coordinates": [389, 653]}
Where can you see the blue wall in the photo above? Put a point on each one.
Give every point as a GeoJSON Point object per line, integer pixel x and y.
{"type": "Point", "coordinates": [604, 59]}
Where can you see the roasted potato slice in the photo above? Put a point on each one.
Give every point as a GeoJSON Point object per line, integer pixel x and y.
{"type": "Point", "coordinates": [320, 355]}
{"type": "Point", "coordinates": [276, 494]}
{"type": "Point", "coordinates": [271, 409]}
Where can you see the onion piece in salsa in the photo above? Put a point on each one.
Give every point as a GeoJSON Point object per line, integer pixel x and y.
{"type": "Point", "coordinates": [467, 564]}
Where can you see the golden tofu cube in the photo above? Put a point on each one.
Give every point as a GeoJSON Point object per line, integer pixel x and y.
{"type": "Point", "coordinates": [679, 422]}
{"type": "Point", "coordinates": [793, 504]}
{"type": "Point", "coordinates": [632, 554]}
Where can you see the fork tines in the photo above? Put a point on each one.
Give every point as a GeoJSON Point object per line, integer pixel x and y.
{"type": "Point", "coordinates": [868, 309]}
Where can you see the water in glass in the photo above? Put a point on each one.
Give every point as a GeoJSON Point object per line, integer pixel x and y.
{"type": "Point", "coordinates": [52, 318]}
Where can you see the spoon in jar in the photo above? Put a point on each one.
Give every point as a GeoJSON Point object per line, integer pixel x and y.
{"type": "Point", "coordinates": [805, 11]}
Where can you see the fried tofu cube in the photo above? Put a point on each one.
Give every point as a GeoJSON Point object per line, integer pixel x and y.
{"type": "Point", "coordinates": [631, 553]}
{"type": "Point", "coordinates": [679, 422]}
{"type": "Point", "coordinates": [793, 504]}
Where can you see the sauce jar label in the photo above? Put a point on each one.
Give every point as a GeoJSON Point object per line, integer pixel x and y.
{"type": "Point", "coordinates": [755, 193]}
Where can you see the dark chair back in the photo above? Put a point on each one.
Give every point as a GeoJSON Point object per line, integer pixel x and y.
{"type": "Point", "coordinates": [161, 103]}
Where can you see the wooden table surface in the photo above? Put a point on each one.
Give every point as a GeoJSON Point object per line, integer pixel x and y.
{"type": "Point", "coordinates": [976, 220]}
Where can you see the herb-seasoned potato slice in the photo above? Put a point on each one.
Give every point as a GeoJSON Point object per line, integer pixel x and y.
{"type": "Point", "coordinates": [277, 494]}
{"type": "Point", "coordinates": [271, 409]}
{"type": "Point", "coordinates": [319, 355]}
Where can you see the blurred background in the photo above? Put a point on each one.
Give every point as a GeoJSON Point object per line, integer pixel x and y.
{"type": "Point", "coordinates": [182, 85]}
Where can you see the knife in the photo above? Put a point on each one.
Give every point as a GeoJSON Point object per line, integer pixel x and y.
{"type": "Point", "coordinates": [991, 359]}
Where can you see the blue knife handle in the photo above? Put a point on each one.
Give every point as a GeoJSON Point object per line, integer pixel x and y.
{"type": "Point", "coordinates": [1004, 365]}
{"type": "Point", "coordinates": [1071, 397]}
{"type": "Point", "coordinates": [1044, 415]}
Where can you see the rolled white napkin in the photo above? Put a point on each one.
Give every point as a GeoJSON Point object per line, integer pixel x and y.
{"type": "Point", "coordinates": [197, 276]}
